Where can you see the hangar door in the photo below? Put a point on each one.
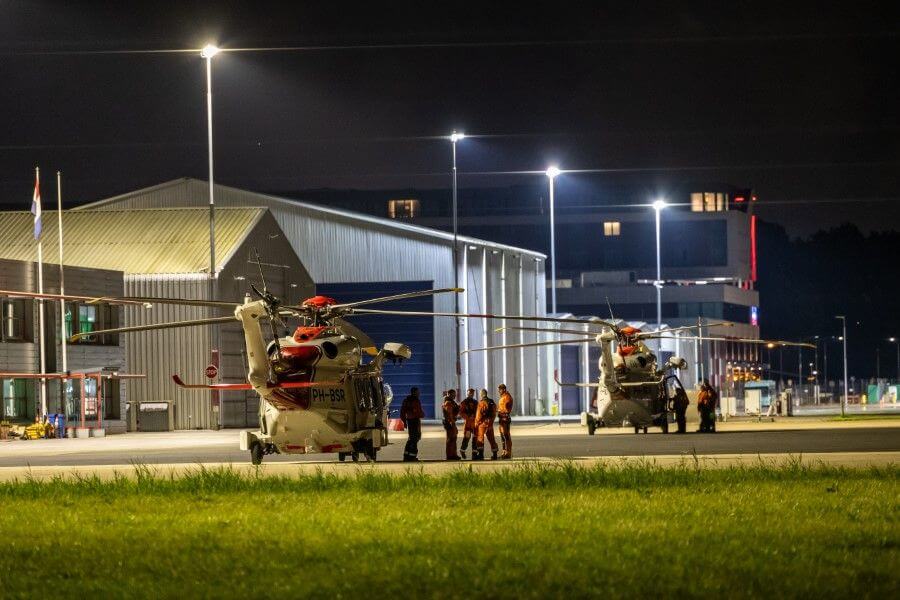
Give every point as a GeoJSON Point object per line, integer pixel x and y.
{"type": "Point", "coordinates": [415, 332]}
{"type": "Point", "coordinates": [571, 371]}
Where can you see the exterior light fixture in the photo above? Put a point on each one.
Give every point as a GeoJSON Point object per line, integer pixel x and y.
{"type": "Point", "coordinates": [209, 51]}
{"type": "Point", "coordinates": [552, 171]}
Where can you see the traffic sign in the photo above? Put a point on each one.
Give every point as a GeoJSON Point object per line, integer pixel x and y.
{"type": "Point", "coordinates": [212, 371]}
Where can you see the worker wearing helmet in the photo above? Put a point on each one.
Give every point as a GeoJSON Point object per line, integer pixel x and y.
{"type": "Point", "coordinates": [484, 423]}
{"type": "Point", "coordinates": [451, 414]}
{"type": "Point", "coordinates": [411, 414]}
{"type": "Point", "coordinates": [504, 418]}
{"type": "Point", "coordinates": [467, 409]}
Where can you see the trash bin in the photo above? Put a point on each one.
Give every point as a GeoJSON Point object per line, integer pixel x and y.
{"type": "Point", "coordinates": [60, 425]}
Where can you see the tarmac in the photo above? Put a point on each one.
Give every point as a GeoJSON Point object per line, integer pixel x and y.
{"type": "Point", "coordinates": [809, 440]}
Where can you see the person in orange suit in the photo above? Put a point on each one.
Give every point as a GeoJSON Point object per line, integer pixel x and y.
{"type": "Point", "coordinates": [484, 423]}
{"type": "Point", "coordinates": [451, 413]}
{"type": "Point", "coordinates": [504, 418]}
{"type": "Point", "coordinates": [467, 409]}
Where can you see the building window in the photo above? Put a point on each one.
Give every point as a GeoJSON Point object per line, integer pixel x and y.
{"type": "Point", "coordinates": [611, 228]}
{"type": "Point", "coordinates": [15, 400]}
{"type": "Point", "coordinates": [403, 209]}
{"type": "Point", "coordinates": [85, 318]}
{"type": "Point", "coordinates": [697, 202]}
{"type": "Point", "coordinates": [15, 320]}
{"type": "Point", "coordinates": [709, 202]}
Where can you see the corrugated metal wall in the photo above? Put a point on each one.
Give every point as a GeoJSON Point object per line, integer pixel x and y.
{"type": "Point", "coordinates": [344, 248]}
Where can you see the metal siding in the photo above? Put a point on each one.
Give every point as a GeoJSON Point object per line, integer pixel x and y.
{"type": "Point", "coordinates": [174, 240]}
{"type": "Point", "coordinates": [160, 354]}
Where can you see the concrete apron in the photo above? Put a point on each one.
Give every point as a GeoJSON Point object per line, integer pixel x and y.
{"type": "Point", "coordinates": [439, 467]}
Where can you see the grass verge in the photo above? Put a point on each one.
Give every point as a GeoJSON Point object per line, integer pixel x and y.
{"type": "Point", "coordinates": [531, 531]}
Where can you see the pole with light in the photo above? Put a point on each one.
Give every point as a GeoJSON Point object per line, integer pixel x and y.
{"type": "Point", "coordinates": [552, 173]}
{"type": "Point", "coordinates": [844, 400]}
{"type": "Point", "coordinates": [454, 138]}
{"type": "Point", "coordinates": [896, 342]}
{"type": "Point", "coordinates": [208, 52]}
{"type": "Point", "coordinates": [658, 206]}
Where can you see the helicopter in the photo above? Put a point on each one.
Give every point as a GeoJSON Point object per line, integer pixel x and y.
{"type": "Point", "coordinates": [321, 388]}
{"type": "Point", "coordinates": [633, 389]}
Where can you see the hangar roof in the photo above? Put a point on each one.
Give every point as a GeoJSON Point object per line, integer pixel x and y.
{"type": "Point", "coordinates": [175, 193]}
{"type": "Point", "coordinates": [136, 241]}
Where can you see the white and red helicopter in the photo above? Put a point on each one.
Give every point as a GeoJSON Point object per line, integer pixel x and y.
{"type": "Point", "coordinates": [633, 388]}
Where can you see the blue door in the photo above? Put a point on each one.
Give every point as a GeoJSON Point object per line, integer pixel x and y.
{"type": "Point", "coordinates": [415, 332]}
{"type": "Point", "coordinates": [571, 372]}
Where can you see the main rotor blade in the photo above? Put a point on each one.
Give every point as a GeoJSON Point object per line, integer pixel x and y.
{"type": "Point", "coordinates": [529, 345]}
{"type": "Point", "coordinates": [645, 334]}
{"type": "Point", "coordinates": [582, 385]}
{"type": "Point", "coordinates": [740, 340]}
{"type": "Point", "coordinates": [172, 325]}
{"type": "Point", "coordinates": [548, 330]}
{"type": "Point", "coordinates": [180, 301]}
{"type": "Point", "coordinates": [89, 299]}
{"type": "Point", "coordinates": [396, 297]}
{"type": "Point", "coordinates": [373, 311]}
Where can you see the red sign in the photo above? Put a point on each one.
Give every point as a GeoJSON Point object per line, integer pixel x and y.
{"type": "Point", "coordinates": [212, 371]}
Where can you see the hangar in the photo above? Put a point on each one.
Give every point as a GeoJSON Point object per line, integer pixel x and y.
{"type": "Point", "coordinates": [158, 237]}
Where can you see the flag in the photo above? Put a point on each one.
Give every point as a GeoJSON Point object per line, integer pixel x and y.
{"type": "Point", "coordinates": [36, 207]}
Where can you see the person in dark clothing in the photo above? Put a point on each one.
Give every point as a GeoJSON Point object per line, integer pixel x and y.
{"type": "Point", "coordinates": [679, 405]}
{"type": "Point", "coordinates": [411, 414]}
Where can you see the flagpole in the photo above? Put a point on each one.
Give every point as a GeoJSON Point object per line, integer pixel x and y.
{"type": "Point", "coordinates": [62, 281]}
{"type": "Point", "coordinates": [40, 257]}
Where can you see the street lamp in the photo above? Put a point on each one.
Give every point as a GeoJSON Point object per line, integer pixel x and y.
{"type": "Point", "coordinates": [552, 173]}
{"type": "Point", "coordinates": [658, 206]}
{"type": "Point", "coordinates": [208, 52]}
{"type": "Point", "coordinates": [456, 137]}
{"type": "Point", "coordinates": [844, 401]}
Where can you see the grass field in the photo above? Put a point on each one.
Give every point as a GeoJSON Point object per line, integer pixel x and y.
{"type": "Point", "coordinates": [558, 531]}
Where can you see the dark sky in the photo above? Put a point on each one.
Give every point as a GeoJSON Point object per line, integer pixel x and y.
{"type": "Point", "coordinates": [798, 101]}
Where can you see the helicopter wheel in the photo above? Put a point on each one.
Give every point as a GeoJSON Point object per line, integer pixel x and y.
{"type": "Point", "coordinates": [256, 453]}
{"type": "Point", "coordinates": [342, 456]}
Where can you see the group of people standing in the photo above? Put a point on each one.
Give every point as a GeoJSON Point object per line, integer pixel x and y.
{"type": "Point", "coordinates": [707, 400]}
{"type": "Point", "coordinates": [478, 418]}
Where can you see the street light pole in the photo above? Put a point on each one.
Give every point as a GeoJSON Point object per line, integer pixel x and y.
{"type": "Point", "coordinates": [208, 52]}
{"type": "Point", "coordinates": [845, 399]}
{"type": "Point", "coordinates": [455, 137]}
{"type": "Point", "coordinates": [552, 172]}
{"type": "Point", "coordinates": [658, 206]}
{"type": "Point", "coordinates": [896, 342]}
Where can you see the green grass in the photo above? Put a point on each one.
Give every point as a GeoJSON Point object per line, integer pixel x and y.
{"type": "Point", "coordinates": [528, 532]}
{"type": "Point", "coordinates": [875, 417]}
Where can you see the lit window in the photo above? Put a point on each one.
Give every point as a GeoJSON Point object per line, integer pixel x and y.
{"type": "Point", "coordinates": [14, 321]}
{"type": "Point", "coordinates": [720, 202]}
{"type": "Point", "coordinates": [709, 202]}
{"type": "Point", "coordinates": [403, 209]}
{"type": "Point", "coordinates": [15, 399]}
{"type": "Point", "coordinates": [697, 202]}
{"type": "Point", "coordinates": [611, 228]}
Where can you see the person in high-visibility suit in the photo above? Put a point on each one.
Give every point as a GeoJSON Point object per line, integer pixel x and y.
{"type": "Point", "coordinates": [484, 423]}
{"type": "Point", "coordinates": [451, 414]}
{"type": "Point", "coordinates": [411, 414]}
{"type": "Point", "coordinates": [504, 419]}
{"type": "Point", "coordinates": [467, 409]}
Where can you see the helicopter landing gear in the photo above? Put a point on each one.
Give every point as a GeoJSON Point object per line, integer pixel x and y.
{"type": "Point", "coordinates": [354, 456]}
{"type": "Point", "coordinates": [256, 453]}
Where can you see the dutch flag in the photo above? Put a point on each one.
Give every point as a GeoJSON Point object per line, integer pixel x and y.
{"type": "Point", "coordinates": [36, 207]}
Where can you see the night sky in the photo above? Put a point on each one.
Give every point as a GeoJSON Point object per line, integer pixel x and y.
{"type": "Point", "coordinates": [798, 102]}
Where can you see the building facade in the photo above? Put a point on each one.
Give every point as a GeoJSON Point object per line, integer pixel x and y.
{"type": "Point", "coordinates": [20, 345]}
{"type": "Point", "coordinates": [352, 256]}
